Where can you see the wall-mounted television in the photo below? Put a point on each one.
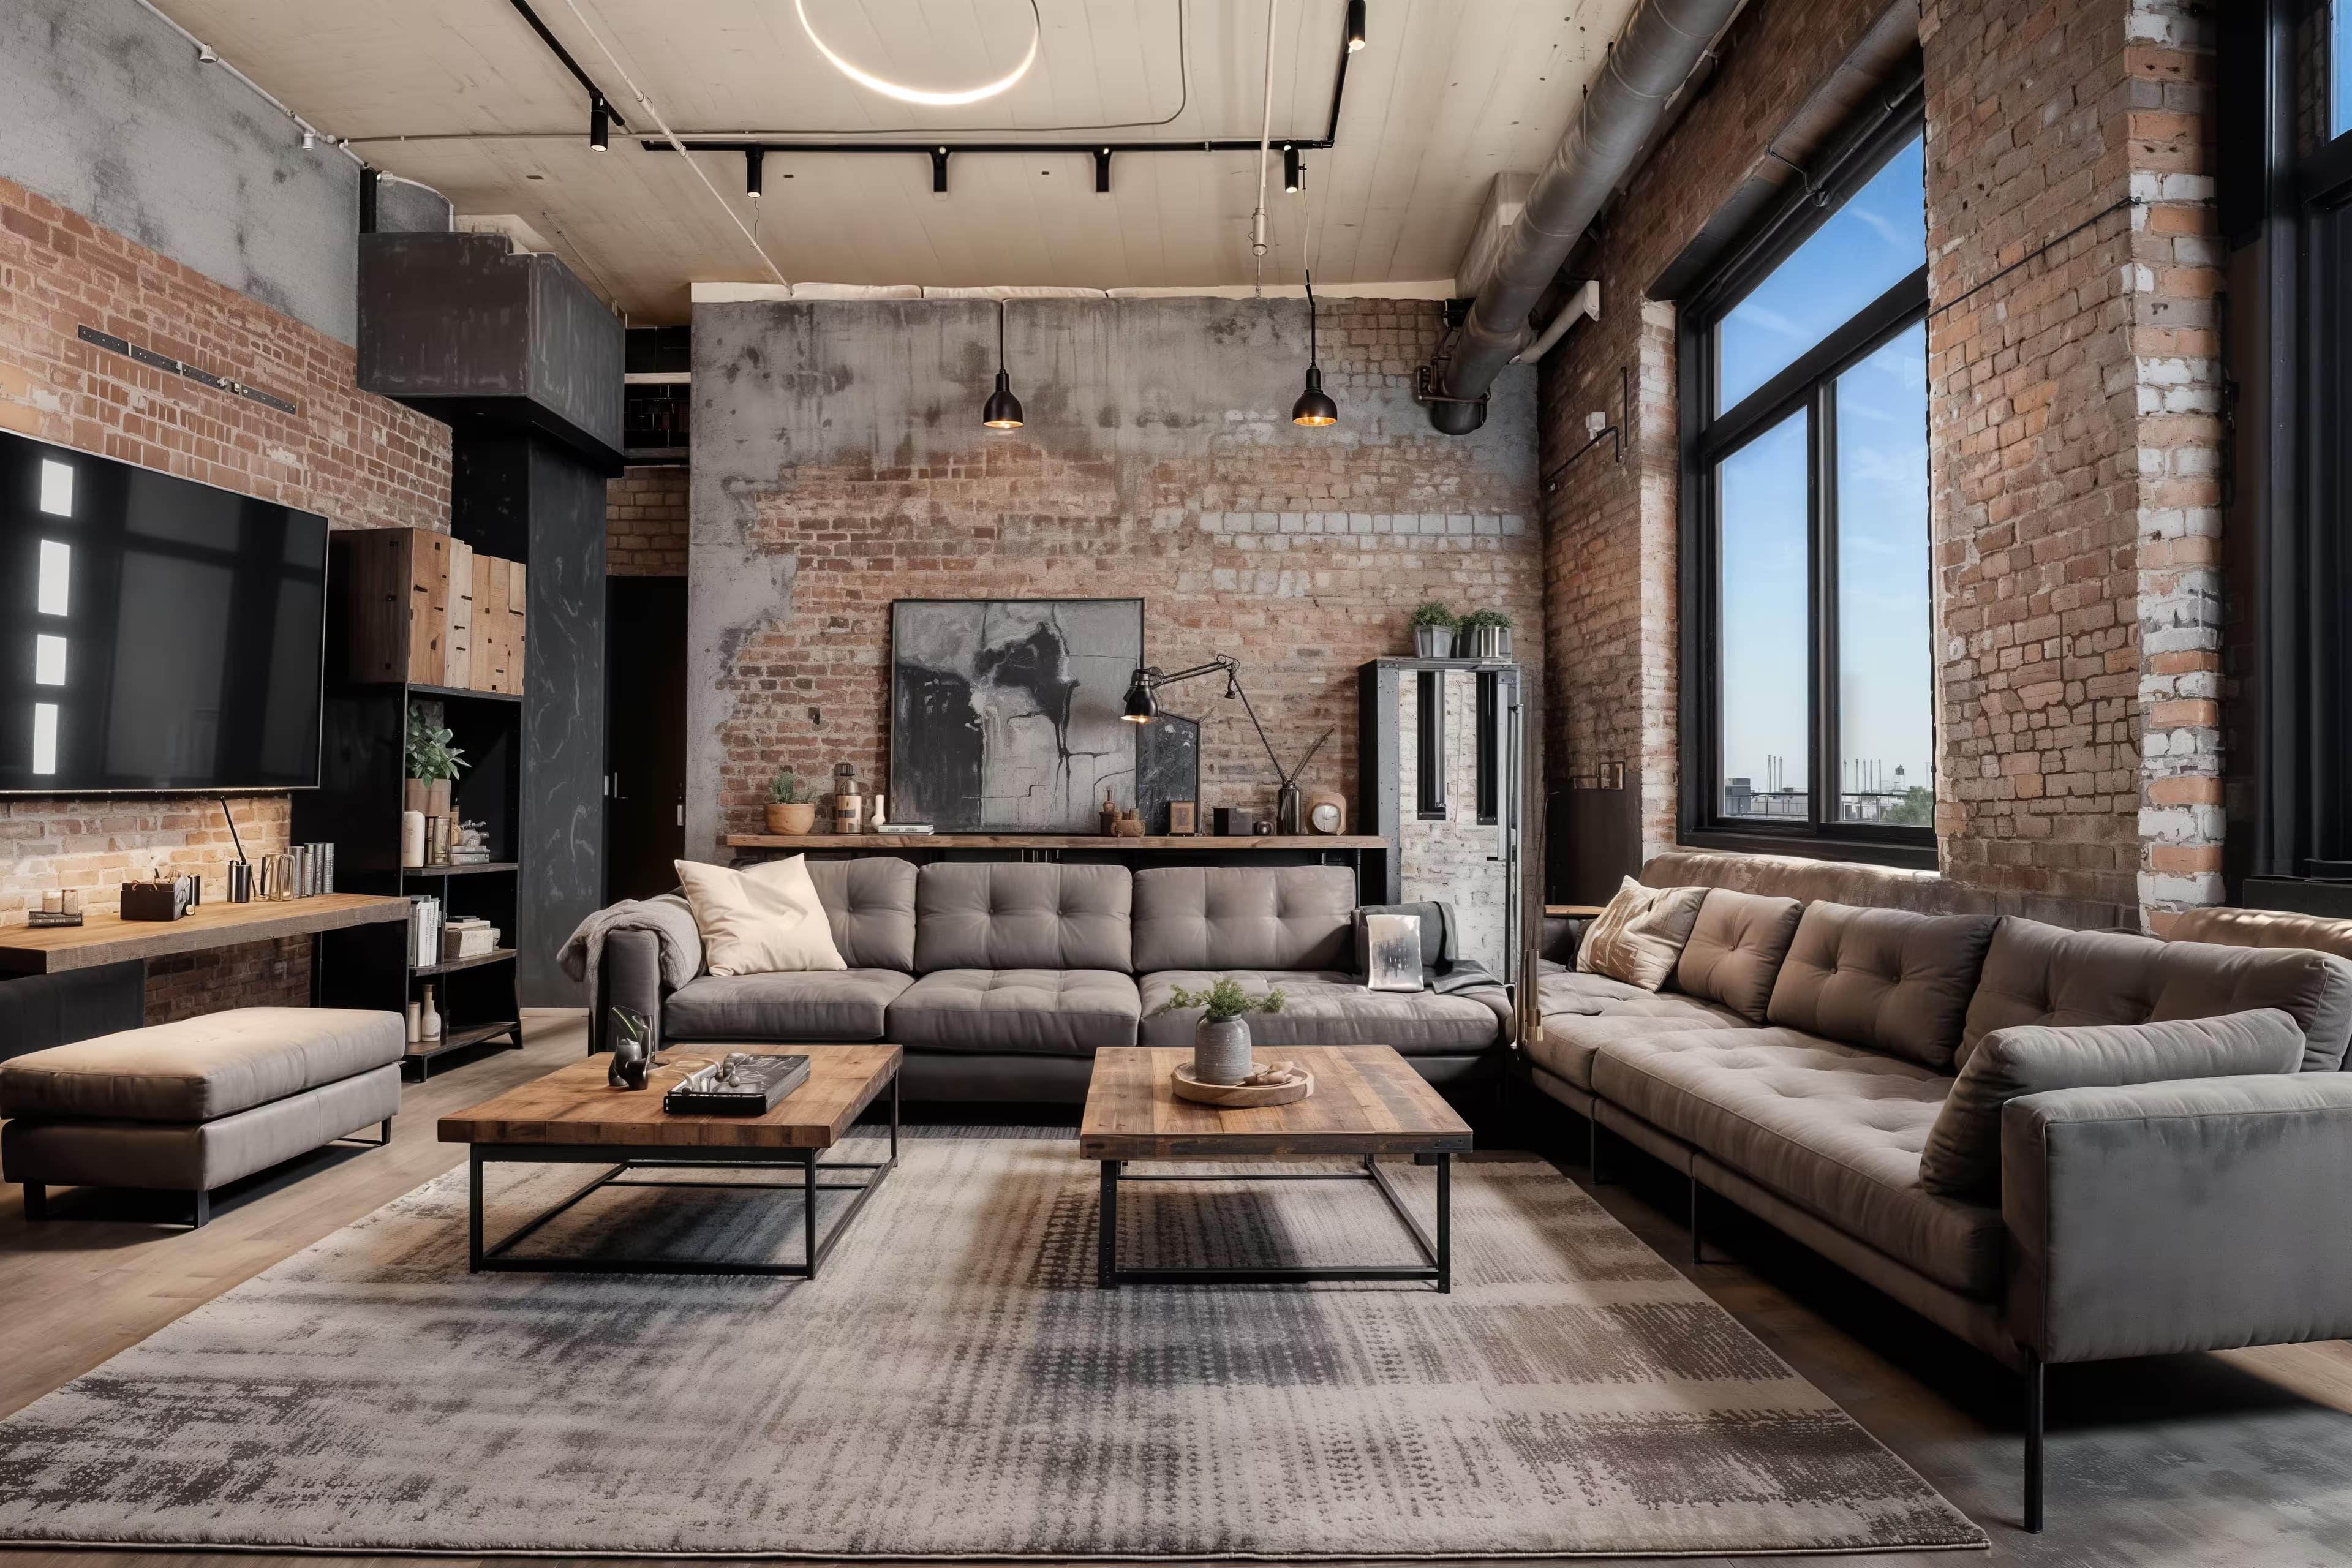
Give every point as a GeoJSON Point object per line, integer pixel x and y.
{"type": "Point", "coordinates": [156, 634]}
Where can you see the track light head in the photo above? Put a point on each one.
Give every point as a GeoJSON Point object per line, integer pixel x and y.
{"type": "Point", "coordinates": [600, 125]}
{"type": "Point", "coordinates": [1102, 172]}
{"type": "Point", "coordinates": [1355, 26]}
{"type": "Point", "coordinates": [754, 171]}
{"type": "Point", "coordinates": [1293, 171]}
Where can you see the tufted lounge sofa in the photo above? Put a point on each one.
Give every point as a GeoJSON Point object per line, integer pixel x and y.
{"type": "Point", "coordinates": [1801, 1053]}
{"type": "Point", "coordinates": [1002, 980]}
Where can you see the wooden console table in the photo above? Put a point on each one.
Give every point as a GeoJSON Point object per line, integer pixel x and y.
{"type": "Point", "coordinates": [1366, 854]}
{"type": "Point", "coordinates": [110, 938]}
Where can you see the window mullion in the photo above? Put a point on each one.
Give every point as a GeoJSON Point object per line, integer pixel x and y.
{"type": "Point", "coordinates": [1829, 792]}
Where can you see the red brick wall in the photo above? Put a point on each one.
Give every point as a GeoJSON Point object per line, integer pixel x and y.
{"type": "Point", "coordinates": [1302, 558]}
{"type": "Point", "coordinates": [2073, 451]}
{"type": "Point", "coordinates": [360, 461]}
{"type": "Point", "coordinates": [644, 523]}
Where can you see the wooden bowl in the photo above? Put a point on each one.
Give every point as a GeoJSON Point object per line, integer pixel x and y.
{"type": "Point", "coordinates": [1241, 1095]}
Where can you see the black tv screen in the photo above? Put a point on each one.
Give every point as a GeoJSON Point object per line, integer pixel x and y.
{"type": "Point", "coordinates": [160, 634]}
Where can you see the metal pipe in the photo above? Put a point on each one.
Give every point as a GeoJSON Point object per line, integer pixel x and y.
{"type": "Point", "coordinates": [1264, 142]}
{"type": "Point", "coordinates": [1585, 306]}
{"type": "Point", "coordinates": [1660, 47]}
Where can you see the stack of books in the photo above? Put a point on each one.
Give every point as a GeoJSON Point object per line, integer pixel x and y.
{"type": "Point", "coordinates": [423, 933]}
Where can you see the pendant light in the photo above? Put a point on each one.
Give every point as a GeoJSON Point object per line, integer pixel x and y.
{"type": "Point", "coordinates": [1003, 410]}
{"type": "Point", "coordinates": [1313, 406]}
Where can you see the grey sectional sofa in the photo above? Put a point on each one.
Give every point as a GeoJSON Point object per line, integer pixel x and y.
{"type": "Point", "coordinates": [1797, 1061]}
{"type": "Point", "coordinates": [1002, 979]}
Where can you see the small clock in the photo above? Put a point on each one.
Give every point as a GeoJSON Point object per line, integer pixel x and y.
{"type": "Point", "coordinates": [1325, 813]}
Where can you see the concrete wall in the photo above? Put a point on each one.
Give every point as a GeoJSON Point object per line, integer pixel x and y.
{"type": "Point", "coordinates": [839, 464]}
{"type": "Point", "coordinates": [105, 110]}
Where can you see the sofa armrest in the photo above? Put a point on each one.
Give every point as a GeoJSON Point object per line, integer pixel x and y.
{"type": "Point", "coordinates": [2200, 1213]}
{"type": "Point", "coordinates": [1562, 935]}
{"type": "Point", "coordinates": [38, 1011]}
{"type": "Point", "coordinates": [629, 975]}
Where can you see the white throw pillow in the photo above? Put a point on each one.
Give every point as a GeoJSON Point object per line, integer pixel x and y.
{"type": "Point", "coordinates": [765, 920]}
{"type": "Point", "coordinates": [1639, 937]}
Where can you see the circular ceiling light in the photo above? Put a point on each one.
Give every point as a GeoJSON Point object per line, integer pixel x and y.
{"type": "Point", "coordinates": [924, 95]}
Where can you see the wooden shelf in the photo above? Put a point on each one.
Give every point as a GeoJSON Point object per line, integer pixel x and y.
{"type": "Point", "coordinates": [450, 871]}
{"type": "Point", "coordinates": [1206, 842]}
{"type": "Point", "coordinates": [458, 1039]}
{"type": "Point", "coordinates": [465, 691]}
{"type": "Point", "coordinates": [454, 964]}
{"type": "Point", "coordinates": [110, 938]}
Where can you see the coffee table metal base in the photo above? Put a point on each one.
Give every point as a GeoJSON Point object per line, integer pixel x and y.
{"type": "Point", "coordinates": [1437, 1250]}
{"type": "Point", "coordinates": [495, 1258]}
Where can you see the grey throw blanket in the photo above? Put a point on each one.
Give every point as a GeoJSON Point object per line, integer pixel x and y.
{"type": "Point", "coordinates": [667, 917]}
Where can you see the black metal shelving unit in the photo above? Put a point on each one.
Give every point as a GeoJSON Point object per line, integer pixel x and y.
{"type": "Point", "coordinates": [357, 806]}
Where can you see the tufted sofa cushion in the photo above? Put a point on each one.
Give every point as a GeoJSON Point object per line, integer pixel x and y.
{"type": "Point", "coordinates": [1834, 1130]}
{"type": "Point", "coordinates": [1025, 1012]}
{"type": "Point", "coordinates": [1332, 1008]}
{"type": "Point", "coordinates": [1886, 979]}
{"type": "Point", "coordinates": [2039, 974]}
{"type": "Point", "coordinates": [836, 1006]}
{"type": "Point", "coordinates": [2262, 928]}
{"type": "Point", "coordinates": [870, 902]}
{"type": "Point", "coordinates": [1243, 917]}
{"type": "Point", "coordinates": [1736, 950]}
{"type": "Point", "coordinates": [1566, 1043]}
{"type": "Point", "coordinates": [1004, 916]}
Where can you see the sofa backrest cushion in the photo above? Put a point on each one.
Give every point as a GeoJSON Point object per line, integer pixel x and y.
{"type": "Point", "coordinates": [2039, 974]}
{"type": "Point", "coordinates": [2263, 928]}
{"type": "Point", "coordinates": [1886, 980]}
{"type": "Point", "coordinates": [1833, 881]}
{"type": "Point", "coordinates": [1736, 950]}
{"type": "Point", "coordinates": [871, 903]}
{"type": "Point", "coordinates": [1004, 916]}
{"type": "Point", "coordinates": [1962, 1158]}
{"type": "Point", "coordinates": [1244, 917]}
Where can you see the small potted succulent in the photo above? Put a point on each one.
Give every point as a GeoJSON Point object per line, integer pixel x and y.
{"type": "Point", "coordinates": [1489, 634]}
{"type": "Point", "coordinates": [1221, 1040]}
{"type": "Point", "coordinates": [433, 764]}
{"type": "Point", "coordinates": [789, 811]}
{"type": "Point", "coordinates": [1432, 630]}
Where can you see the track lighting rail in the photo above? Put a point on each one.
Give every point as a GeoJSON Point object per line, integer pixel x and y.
{"type": "Point", "coordinates": [597, 94]}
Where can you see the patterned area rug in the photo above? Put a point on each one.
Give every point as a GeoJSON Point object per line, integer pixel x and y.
{"type": "Point", "coordinates": [953, 1385]}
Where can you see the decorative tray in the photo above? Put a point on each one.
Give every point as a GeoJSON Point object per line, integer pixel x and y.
{"type": "Point", "coordinates": [740, 1084]}
{"type": "Point", "coordinates": [1273, 1083]}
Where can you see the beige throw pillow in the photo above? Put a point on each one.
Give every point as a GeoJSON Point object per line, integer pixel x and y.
{"type": "Point", "coordinates": [1639, 937]}
{"type": "Point", "coordinates": [765, 920]}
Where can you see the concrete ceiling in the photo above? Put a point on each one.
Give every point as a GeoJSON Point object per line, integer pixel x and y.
{"type": "Point", "coordinates": [462, 96]}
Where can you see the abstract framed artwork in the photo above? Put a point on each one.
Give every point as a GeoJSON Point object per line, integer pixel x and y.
{"type": "Point", "coordinates": [1005, 713]}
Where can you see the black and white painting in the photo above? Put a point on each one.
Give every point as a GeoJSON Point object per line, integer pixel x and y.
{"type": "Point", "coordinates": [1004, 713]}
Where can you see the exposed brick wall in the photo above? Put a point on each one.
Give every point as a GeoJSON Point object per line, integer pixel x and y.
{"type": "Point", "coordinates": [362, 461]}
{"type": "Point", "coordinates": [254, 974]}
{"type": "Point", "coordinates": [644, 523]}
{"type": "Point", "coordinates": [2073, 447]}
{"type": "Point", "coordinates": [2075, 427]}
{"type": "Point", "coordinates": [1302, 555]}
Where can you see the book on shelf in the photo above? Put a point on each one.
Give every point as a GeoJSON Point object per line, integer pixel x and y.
{"type": "Point", "coordinates": [910, 827]}
{"type": "Point", "coordinates": [423, 933]}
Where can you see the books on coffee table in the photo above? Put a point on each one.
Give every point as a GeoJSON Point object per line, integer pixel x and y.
{"type": "Point", "coordinates": [738, 1084]}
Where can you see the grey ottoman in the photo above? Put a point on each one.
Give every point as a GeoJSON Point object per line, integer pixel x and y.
{"type": "Point", "coordinates": [194, 1105]}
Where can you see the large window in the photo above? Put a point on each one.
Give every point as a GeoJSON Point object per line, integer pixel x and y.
{"type": "Point", "coordinates": [1810, 711]}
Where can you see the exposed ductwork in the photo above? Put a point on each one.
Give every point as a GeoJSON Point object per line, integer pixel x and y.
{"type": "Point", "coordinates": [1657, 54]}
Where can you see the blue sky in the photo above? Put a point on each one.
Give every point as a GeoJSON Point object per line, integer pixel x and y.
{"type": "Point", "coordinates": [1875, 241]}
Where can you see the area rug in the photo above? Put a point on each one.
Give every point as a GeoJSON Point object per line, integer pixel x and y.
{"type": "Point", "coordinates": [953, 1385]}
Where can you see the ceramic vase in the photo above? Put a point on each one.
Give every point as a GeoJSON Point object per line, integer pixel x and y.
{"type": "Point", "coordinates": [789, 818]}
{"type": "Point", "coordinates": [437, 798]}
{"type": "Point", "coordinates": [1221, 1050]}
{"type": "Point", "coordinates": [1433, 642]}
{"type": "Point", "coordinates": [631, 1061]}
{"type": "Point", "coordinates": [414, 797]}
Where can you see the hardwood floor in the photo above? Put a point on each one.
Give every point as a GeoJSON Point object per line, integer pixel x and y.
{"type": "Point", "coordinates": [2244, 1458]}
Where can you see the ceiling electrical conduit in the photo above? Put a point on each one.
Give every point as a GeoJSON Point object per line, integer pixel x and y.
{"type": "Point", "coordinates": [1661, 46]}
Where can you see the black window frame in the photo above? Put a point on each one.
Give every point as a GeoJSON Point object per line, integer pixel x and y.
{"type": "Point", "coordinates": [1808, 385]}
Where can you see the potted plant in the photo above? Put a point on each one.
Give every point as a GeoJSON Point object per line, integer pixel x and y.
{"type": "Point", "coordinates": [788, 811]}
{"type": "Point", "coordinates": [433, 765]}
{"type": "Point", "coordinates": [1489, 632]}
{"type": "Point", "coordinates": [1221, 1040]}
{"type": "Point", "coordinates": [1432, 630]}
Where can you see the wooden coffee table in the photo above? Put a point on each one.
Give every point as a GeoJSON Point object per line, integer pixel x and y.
{"type": "Point", "coordinates": [1368, 1102]}
{"type": "Point", "coordinates": [574, 1117]}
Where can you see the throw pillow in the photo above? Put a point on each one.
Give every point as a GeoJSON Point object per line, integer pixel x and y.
{"type": "Point", "coordinates": [1639, 937]}
{"type": "Point", "coordinates": [767, 920]}
{"type": "Point", "coordinates": [1962, 1159]}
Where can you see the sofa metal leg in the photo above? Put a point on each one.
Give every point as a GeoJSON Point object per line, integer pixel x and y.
{"type": "Point", "coordinates": [2034, 1423]}
{"type": "Point", "coordinates": [1593, 1147]}
{"type": "Point", "coordinates": [385, 1137]}
{"type": "Point", "coordinates": [202, 1207]}
{"type": "Point", "coordinates": [36, 1201]}
{"type": "Point", "coordinates": [1698, 1246]}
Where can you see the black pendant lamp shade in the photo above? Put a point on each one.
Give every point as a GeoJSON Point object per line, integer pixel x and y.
{"type": "Point", "coordinates": [1313, 406]}
{"type": "Point", "coordinates": [1003, 410]}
